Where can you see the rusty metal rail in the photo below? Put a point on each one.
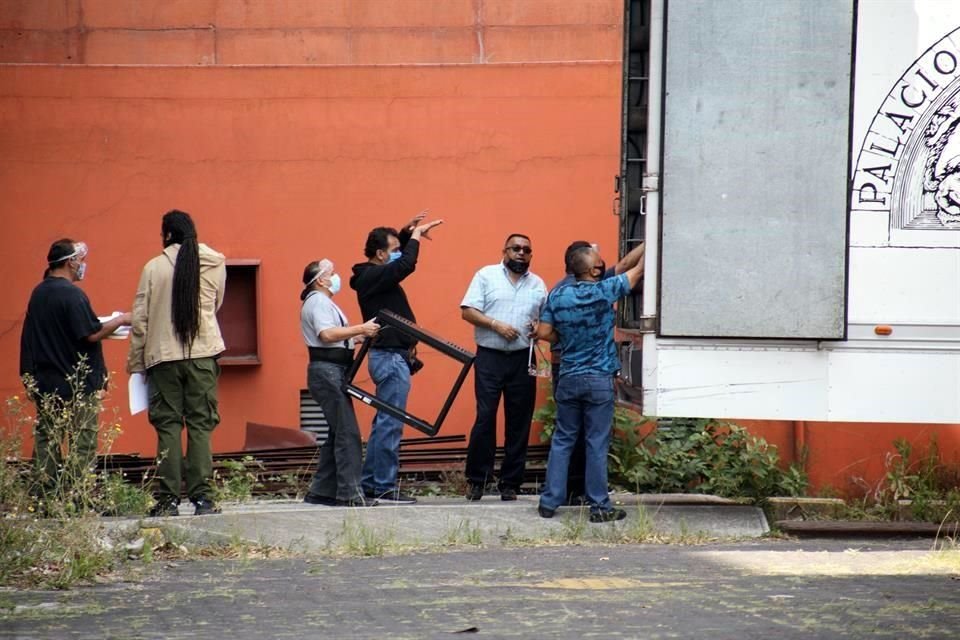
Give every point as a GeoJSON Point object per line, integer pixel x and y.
{"type": "Point", "coordinates": [422, 461]}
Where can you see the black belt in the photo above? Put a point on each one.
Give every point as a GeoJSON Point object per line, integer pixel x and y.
{"type": "Point", "coordinates": [504, 352]}
{"type": "Point", "coordinates": [343, 357]}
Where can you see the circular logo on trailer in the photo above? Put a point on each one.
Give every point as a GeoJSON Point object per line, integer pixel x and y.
{"type": "Point", "coordinates": [909, 164]}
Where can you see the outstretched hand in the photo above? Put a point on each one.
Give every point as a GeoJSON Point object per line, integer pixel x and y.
{"type": "Point", "coordinates": [423, 230]}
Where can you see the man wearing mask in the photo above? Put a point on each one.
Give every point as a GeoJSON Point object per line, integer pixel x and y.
{"type": "Point", "coordinates": [503, 304]}
{"type": "Point", "coordinates": [60, 329]}
{"type": "Point", "coordinates": [391, 258]}
{"type": "Point", "coordinates": [575, 478]}
{"type": "Point", "coordinates": [330, 341]}
{"type": "Point", "coordinates": [580, 317]}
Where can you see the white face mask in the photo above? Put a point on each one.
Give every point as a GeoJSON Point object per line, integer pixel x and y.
{"type": "Point", "coordinates": [81, 270]}
{"type": "Point", "coordinates": [334, 284]}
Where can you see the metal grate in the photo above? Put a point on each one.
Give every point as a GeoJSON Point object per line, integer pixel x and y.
{"type": "Point", "coordinates": [312, 419]}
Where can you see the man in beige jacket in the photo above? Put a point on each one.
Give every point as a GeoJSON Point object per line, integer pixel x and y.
{"type": "Point", "coordinates": [176, 340]}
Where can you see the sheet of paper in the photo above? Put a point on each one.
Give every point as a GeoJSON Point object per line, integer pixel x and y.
{"type": "Point", "coordinates": [137, 390]}
{"type": "Point", "coordinates": [121, 333]}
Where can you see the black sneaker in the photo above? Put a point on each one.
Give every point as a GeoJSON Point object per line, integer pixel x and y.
{"type": "Point", "coordinates": [356, 502]}
{"type": "Point", "coordinates": [475, 492]}
{"type": "Point", "coordinates": [608, 515]}
{"type": "Point", "coordinates": [396, 497]}
{"type": "Point", "coordinates": [544, 512]}
{"type": "Point", "coordinates": [205, 507]}
{"type": "Point", "coordinates": [164, 508]}
{"type": "Point", "coordinates": [508, 494]}
{"type": "Point", "coordinates": [313, 498]}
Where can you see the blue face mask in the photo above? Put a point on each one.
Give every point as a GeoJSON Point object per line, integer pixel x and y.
{"type": "Point", "coordinates": [334, 284]}
{"type": "Point", "coordinates": [394, 256]}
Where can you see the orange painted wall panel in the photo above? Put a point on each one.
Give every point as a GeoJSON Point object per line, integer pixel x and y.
{"type": "Point", "coordinates": [57, 47]}
{"type": "Point", "coordinates": [181, 46]}
{"type": "Point", "coordinates": [283, 46]}
{"type": "Point", "coordinates": [562, 43]}
{"type": "Point", "coordinates": [291, 164]}
{"type": "Point", "coordinates": [409, 46]}
{"type": "Point", "coordinates": [148, 14]}
{"type": "Point", "coordinates": [52, 15]}
{"type": "Point", "coordinates": [548, 12]}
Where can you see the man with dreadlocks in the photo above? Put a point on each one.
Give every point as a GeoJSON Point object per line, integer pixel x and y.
{"type": "Point", "coordinates": [176, 340]}
{"type": "Point", "coordinates": [59, 330]}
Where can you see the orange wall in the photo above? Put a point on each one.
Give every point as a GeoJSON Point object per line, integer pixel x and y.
{"type": "Point", "coordinates": [291, 164]}
{"type": "Point", "coordinates": [229, 32]}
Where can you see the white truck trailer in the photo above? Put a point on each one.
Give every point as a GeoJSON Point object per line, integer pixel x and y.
{"type": "Point", "coordinates": [794, 168]}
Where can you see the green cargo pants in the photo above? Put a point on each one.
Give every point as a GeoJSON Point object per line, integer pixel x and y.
{"type": "Point", "coordinates": [184, 393]}
{"type": "Point", "coordinates": [60, 422]}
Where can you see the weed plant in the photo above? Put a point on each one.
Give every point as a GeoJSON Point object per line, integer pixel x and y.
{"type": "Point", "coordinates": [50, 534]}
{"type": "Point", "coordinates": [236, 480]}
{"type": "Point", "coordinates": [687, 455]}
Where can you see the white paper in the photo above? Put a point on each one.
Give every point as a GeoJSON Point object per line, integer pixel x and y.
{"type": "Point", "coordinates": [121, 333]}
{"type": "Point", "coordinates": [137, 390]}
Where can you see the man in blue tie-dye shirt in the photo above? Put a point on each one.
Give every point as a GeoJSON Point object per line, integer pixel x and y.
{"type": "Point", "coordinates": [580, 317]}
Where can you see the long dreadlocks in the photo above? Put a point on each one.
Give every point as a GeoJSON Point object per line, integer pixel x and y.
{"type": "Point", "coordinates": [178, 228]}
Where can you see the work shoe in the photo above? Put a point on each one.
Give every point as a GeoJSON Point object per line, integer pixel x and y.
{"type": "Point", "coordinates": [544, 512]}
{"type": "Point", "coordinates": [313, 498]}
{"type": "Point", "coordinates": [205, 507]}
{"type": "Point", "coordinates": [164, 508]}
{"type": "Point", "coordinates": [396, 497]}
{"type": "Point", "coordinates": [508, 494]}
{"type": "Point", "coordinates": [608, 515]}
{"type": "Point", "coordinates": [475, 492]}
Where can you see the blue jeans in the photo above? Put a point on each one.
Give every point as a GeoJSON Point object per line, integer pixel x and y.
{"type": "Point", "coordinates": [584, 403]}
{"type": "Point", "coordinates": [392, 376]}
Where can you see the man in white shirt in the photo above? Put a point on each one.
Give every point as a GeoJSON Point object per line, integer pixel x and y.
{"type": "Point", "coordinates": [503, 304]}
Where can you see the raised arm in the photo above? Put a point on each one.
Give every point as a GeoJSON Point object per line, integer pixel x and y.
{"type": "Point", "coordinates": [632, 259]}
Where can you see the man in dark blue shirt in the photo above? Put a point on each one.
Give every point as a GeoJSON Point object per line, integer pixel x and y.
{"type": "Point", "coordinates": [60, 329]}
{"type": "Point", "coordinates": [580, 317]}
{"type": "Point", "coordinates": [575, 476]}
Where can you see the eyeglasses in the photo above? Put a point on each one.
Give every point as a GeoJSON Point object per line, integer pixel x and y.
{"type": "Point", "coordinates": [518, 248]}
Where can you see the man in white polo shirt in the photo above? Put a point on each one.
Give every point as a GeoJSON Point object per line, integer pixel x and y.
{"type": "Point", "coordinates": [503, 304]}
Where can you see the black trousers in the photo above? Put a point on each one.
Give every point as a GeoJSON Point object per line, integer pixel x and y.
{"type": "Point", "coordinates": [499, 373]}
{"type": "Point", "coordinates": [577, 471]}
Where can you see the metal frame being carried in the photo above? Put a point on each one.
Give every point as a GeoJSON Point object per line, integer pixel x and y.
{"type": "Point", "coordinates": [388, 319]}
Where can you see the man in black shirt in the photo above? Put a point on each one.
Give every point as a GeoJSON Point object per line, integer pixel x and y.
{"type": "Point", "coordinates": [391, 257]}
{"type": "Point", "coordinates": [59, 331]}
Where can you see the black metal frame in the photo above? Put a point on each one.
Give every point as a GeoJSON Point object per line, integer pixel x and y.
{"type": "Point", "coordinates": [388, 319]}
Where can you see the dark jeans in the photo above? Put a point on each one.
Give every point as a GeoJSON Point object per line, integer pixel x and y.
{"type": "Point", "coordinates": [584, 404]}
{"type": "Point", "coordinates": [576, 476]}
{"type": "Point", "coordinates": [184, 393]}
{"type": "Point", "coordinates": [499, 373]}
{"type": "Point", "coordinates": [73, 422]}
{"type": "Point", "coordinates": [338, 470]}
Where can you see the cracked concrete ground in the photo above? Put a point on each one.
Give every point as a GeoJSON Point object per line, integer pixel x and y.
{"type": "Point", "coordinates": [757, 589]}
